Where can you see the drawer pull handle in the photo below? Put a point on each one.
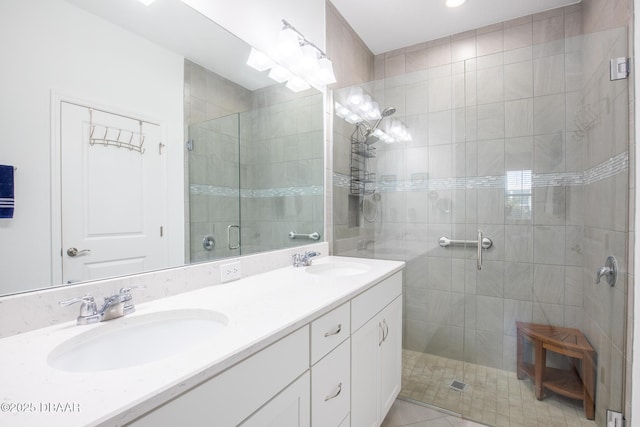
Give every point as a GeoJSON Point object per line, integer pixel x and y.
{"type": "Point", "coordinates": [334, 332]}
{"type": "Point", "coordinates": [385, 330]}
{"type": "Point", "coordinates": [381, 334]}
{"type": "Point", "coordinates": [336, 394]}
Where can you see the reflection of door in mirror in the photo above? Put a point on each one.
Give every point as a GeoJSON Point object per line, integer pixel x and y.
{"type": "Point", "coordinates": [214, 189]}
{"type": "Point", "coordinates": [112, 201]}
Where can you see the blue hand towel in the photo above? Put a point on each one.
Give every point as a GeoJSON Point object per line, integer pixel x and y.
{"type": "Point", "coordinates": [7, 200]}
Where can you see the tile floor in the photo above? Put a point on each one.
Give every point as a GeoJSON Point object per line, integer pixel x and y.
{"type": "Point", "coordinates": [493, 396]}
{"type": "Point", "coordinates": [404, 413]}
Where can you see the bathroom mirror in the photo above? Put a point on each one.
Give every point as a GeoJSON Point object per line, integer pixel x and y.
{"type": "Point", "coordinates": [241, 158]}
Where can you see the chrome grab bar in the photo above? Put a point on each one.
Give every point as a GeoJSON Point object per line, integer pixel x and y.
{"type": "Point", "coordinates": [481, 243]}
{"type": "Point", "coordinates": [445, 241]}
{"type": "Point", "coordinates": [313, 236]}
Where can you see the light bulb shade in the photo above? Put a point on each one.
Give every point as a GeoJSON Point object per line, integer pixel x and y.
{"type": "Point", "coordinates": [288, 43]}
{"type": "Point", "coordinates": [374, 112]}
{"type": "Point", "coordinates": [259, 60]}
{"type": "Point", "coordinates": [353, 118]}
{"type": "Point", "coordinates": [396, 127]}
{"type": "Point", "coordinates": [355, 96]}
{"type": "Point", "coordinates": [279, 74]}
{"type": "Point", "coordinates": [324, 74]}
{"type": "Point", "coordinates": [296, 84]}
{"type": "Point", "coordinates": [308, 62]}
{"type": "Point", "coordinates": [454, 3]}
{"type": "Point", "coordinates": [341, 111]}
{"type": "Point", "coordinates": [365, 106]}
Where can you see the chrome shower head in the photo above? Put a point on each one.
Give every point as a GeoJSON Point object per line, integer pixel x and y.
{"type": "Point", "coordinates": [369, 138]}
{"type": "Point", "coordinates": [389, 111]}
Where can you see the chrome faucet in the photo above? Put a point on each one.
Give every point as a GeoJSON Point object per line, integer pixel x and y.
{"type": "Point", "coordinates": [115, 306]}
{"type": "Point", "coordinates": [609, 271]}
{"type": "Point", "coordinates": [304, 260]}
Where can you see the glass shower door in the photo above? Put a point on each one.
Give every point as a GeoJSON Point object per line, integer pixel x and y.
{"type": "Point", "coordinates": [214, 189]}
{"type": "Point", "coordinates": [530, 146]}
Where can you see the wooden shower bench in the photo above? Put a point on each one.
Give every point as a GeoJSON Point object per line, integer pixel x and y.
{"type": "Point", "coordinates": [576, 383]}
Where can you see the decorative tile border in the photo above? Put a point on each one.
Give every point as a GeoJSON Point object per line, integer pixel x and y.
{"type": "Point", "coordinates": [213, 190]}
{"type": "Point", "coordinates": [421, 182]}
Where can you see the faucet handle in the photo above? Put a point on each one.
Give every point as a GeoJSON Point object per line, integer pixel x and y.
{"type": "Point", "coordinates": [125, 296]}
{"type": "Point", "coordinates": [127, 290]}
{"type": "Point", "coordinates": [88, 307]}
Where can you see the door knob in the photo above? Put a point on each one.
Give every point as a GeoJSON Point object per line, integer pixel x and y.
{"type": "Point", "coordinates": [72, 252]}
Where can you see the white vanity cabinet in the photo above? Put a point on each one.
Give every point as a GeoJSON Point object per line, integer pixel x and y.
{"type": "Point", "coordinates": [230, 397]}
{"type": "Point", "coordinates": [290, 408]}
{"type": "Point", "coordinates": [330, 367]}
{"type": "Point", "coordinates": [342, 369]}
{"type": "Point", "coordinates": [376, 352]}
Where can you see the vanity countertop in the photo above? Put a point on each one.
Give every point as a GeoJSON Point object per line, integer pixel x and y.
{"type": "Point", "coordinates": [260, 309]}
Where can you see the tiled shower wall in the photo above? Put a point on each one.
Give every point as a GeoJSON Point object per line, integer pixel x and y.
{"type": "Point", "coordinates": [209, 96]}
{"type": "Point", "coordinates": [282, 169]}
{"type": "Point", "coordinates": [484, 106]}
{"type": "Point", "coordinates": [269, 184]}
{"type": "Point", "coordinates": [531, 94]}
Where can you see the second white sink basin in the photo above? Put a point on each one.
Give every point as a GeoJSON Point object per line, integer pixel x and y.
{"type": "Point", "coordinates": [136, 340]}
{"type": "Point", "coordinates": [337, 269]}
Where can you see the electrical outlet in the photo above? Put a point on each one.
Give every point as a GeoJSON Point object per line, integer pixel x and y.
{"type": "Point", "coordinates": [229, 272]}
{"type": "Point", "coordinates": [614, 419]}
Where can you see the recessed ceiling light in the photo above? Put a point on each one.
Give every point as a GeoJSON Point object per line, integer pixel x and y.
{"type": "Point", "coordinates": [454, 3]}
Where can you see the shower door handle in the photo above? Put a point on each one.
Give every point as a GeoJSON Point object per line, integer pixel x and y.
{"type": "Point", "coordinates": [479, 249]}
{"type": "Point", "coordinates": [237, 245]}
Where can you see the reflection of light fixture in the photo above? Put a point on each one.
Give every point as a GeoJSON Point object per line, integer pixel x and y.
{"type": "Point", "coordinates": [355, 106]}
{"type": "Point", "coordinates": [259, 60]}
{"type": "Point", "coordinates": [296, 84]}
{"type": "Point", "coordinates": [355, 96]}
{"type": "Point", "coordinates": [298, 61]}
{"type": "Point", "coordinates": [146, 2]}
{"type": "Point", "coordinates": [455, 3]}
{"type": "Point", "coordinates": [279, 74]}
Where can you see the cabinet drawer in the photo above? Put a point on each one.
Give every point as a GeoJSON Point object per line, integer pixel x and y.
{"type": "Point", "coordinates": [328, 331]}
{"type": "Point", "coordinates": [370, 302]}
{"type": "Point", "coordinates": [331, 387]}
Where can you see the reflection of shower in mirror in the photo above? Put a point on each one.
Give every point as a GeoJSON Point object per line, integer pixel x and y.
{"type": "Point", "coordinates": [371, 206]}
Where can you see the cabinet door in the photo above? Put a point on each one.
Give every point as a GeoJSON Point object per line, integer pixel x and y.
{"type": "Point", "coordinates": [390, 355]}
{"type": "Point", "coordinates": [365, 374]}
{"type": "Point", "coordinates": [291, 408]}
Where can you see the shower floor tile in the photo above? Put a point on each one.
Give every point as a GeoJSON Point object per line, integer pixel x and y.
{"type": "Point", "coordinates": [493, 396]}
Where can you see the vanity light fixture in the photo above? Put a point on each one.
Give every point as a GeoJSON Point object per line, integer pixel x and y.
{"type": "Point", "coordinates": [455, 3]}
{"type": "Point", "coordinates": [296, 61]}
{"type": "Point", "coordinates": [259, 60]}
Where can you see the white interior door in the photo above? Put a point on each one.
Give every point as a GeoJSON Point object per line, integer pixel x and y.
{"type": "Point", "coordinates": [112, 197]}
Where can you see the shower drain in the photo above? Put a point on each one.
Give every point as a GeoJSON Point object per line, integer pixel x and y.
{"type": "Point", "coordinates": [457, 385]}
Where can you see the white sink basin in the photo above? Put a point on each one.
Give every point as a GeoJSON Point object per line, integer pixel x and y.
{"type": "Point", "coordinates": [136, 340]}
{"type": "Point", "coordinates": [337, 269]}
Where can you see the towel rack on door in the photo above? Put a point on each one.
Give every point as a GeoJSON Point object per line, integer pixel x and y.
{"type": "Point", "coordinates": [481, 243]}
